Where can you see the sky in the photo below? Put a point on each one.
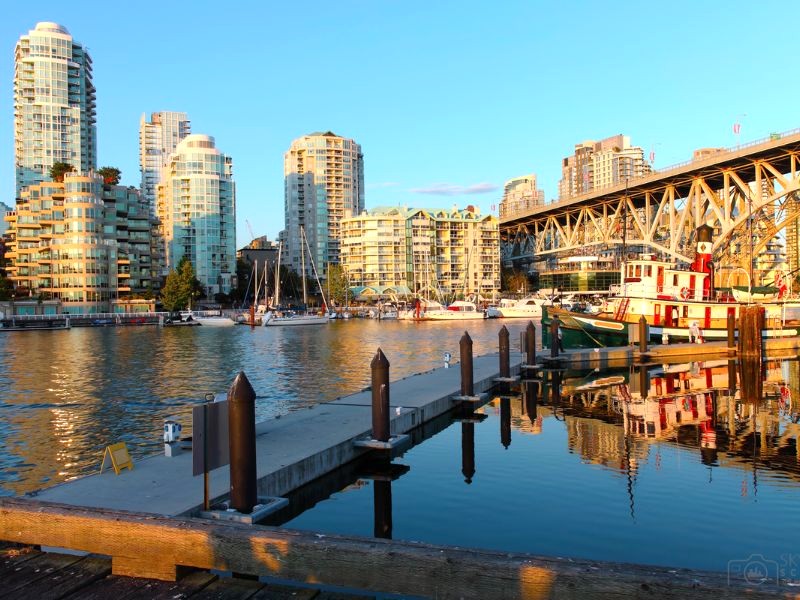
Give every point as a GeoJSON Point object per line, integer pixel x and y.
{"type": "Point", "coordinates": [448, 99]}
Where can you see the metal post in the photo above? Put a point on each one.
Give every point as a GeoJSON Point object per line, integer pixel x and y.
{"type": "Point", "coordinates": [643, 334]}
{"type": "Point", "coordinates": [465, 345]}
{"type": "Point", "coordinates": [380, 397]}
{"type": "Point", "coordinates": [242, 444]}
{"type": "Point", "coordinates": [530, 343]}
{"type": "Point", "coordinates": [505, 364]}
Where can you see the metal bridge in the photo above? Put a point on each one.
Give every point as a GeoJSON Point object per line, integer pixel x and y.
{"type": "Point", "coordinates": [748, 194]}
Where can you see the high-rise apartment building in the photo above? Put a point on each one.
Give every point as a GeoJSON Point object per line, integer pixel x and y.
{"type": "Point", "coordinates": [54, 105]}
{"type": "Point", "coordinates": [598, 165]}
{"type": "Point", "coordinates": [433, 252]}
{"type": "Point", "coordinates": [80, 242]}
{"type": "Point", "coordinates": [324, 183]}
{"type": "Point", "coordinates": [520, 195]}
{"type": "Point", "coordinates": [196, 206]}
{"type": "Point", "coordinates": [158, 139]}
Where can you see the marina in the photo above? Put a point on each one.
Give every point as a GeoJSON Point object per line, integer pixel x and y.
{"type": "Point", "coordinates": [309, 467]}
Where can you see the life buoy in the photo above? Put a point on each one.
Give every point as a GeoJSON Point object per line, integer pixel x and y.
{"type": "Point", "coordinates": [685, 293]}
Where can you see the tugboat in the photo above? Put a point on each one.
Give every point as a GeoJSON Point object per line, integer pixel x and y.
{"type": "Point", "coordinates": [677, 302]}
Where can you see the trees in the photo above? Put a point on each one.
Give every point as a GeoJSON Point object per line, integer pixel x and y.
{"type": "Point", "coordinates": [59, 169]}
{"type": "Point", "coordinates": [110, 175]}
{"type": "Point", "coordinates": [181, 288]}
{"type": "Point", "coordinates": [515, 281]}
{"type": "Point", "coordinates": [337, 284]}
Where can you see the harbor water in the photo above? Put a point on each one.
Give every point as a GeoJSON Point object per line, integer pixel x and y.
{"type": "Point", "coordinates": [66, 395]}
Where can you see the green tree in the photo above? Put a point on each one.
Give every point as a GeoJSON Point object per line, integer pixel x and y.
{"type": "Point", "coordinates": [191, 286]}
{"type": "Point", "coordinates": [110, 175]}
{"type": "Point", "coordinates": [172, 293]}
{"type": "Point", "coordinates": [337, 283]}
{"type": "Point", "coordinates": [6, 288]}
{"type": "Point", "coordinates": [515, 281]}
{"type": "Point", "coordinates": [59, 169]}
{"type": "Point", "coordinates": [181, 288]}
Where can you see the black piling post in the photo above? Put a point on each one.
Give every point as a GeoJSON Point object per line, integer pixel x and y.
{"type": "Point", "coordinates": [242, 444]}
{"type": "Point", "coordinates": [555, 389]}
{"type": "Point", "coordinates": [554, 342]}
{"type": "Point", "coordinates": [530, 343]}
{"type": "Point", "coordinates": [643, 334]}
{"type": "Point", "coordinates": [467, 385]}
{"type": "Point", "coordinates": [380, 397]}
{"type": "Point", "coordinates": [468, 451]}
{"type": "Point", "coordinates": [505, 421]}
{"type": "Point", "coordinates": [531, 399]}
{"type": "Point", "coordinates": [644, 383]}
{"type": "Point", "coordinates": [505, 360]}
{"type": "Point", "coordinates": [382, 497]}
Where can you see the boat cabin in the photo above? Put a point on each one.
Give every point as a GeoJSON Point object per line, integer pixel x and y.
{"type": "Point", "coordinates": [647, 277]}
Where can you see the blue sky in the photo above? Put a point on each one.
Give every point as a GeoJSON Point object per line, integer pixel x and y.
{"type": "Point", "coordinates": [447, 99]}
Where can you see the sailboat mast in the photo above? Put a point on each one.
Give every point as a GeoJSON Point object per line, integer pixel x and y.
{"type": "Point", "coordinates": [303, 263]}
{"type": "Point", "coordinates": [278, 276]}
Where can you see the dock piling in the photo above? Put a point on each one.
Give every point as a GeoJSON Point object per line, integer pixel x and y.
{"type": "Point", "coordinates": [554, 341]}
{"type": "Point", "coordinates": [530, 343]}
{"type": "Point", "coordinates": [731, 333]}
{"type": "Point", "coordinates": [242, 444]}
{"type": "Point", "coordinates": [505, 421]}
{"type": "Point", "coordinates": [380, 397]}
{"type": "Point", "coordinates": [643, 335]}
{"type": "Point", "coordinates": [468, 451]}
{"type": "Point", "coordinates": [467, 384]}
{"type": "Point", "coordinates": [505, 361]}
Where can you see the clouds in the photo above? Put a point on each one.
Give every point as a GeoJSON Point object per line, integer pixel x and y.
{"type": "Point", "coordinates": [381, 185]}
{"type": "Point", "coordinates": [452, 189]}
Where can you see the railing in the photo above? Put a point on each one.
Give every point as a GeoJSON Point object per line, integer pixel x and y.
{"type": "Point", "coordinates": [93, 316]}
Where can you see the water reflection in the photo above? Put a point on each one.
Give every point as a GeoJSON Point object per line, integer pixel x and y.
{"type": "Point", "coordinates": [65, 395]}
{"type": "Point", "coordinates": [629, 456]}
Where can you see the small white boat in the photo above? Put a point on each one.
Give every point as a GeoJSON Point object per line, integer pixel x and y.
{"type": "Point", "coordinates": [211, 319]}
{"type": "Point", "coordinates": [273, 319]}
{"type": "Point", "coordinates": [460, 310]}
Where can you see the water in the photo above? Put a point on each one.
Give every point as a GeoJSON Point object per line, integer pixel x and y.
{"type": "Point", "coordinates": [66, 395]}
{"type": "Point", "coordinates": [670, 469]}
{"type": "Point", "coordinates": [702, 480]}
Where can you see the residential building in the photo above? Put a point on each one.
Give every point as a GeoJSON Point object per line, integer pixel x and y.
{"type": "Point", "coordinates": [520, 195]}
{"type": "Point", "coordinates": [158, 139]}
{"type": "Point", "coordinates": [433, 252]}
{"type": "Point", "coordinates": [54, 105]}
{"type": "Point", "coordinates": [80, 242]}
{"type": "Point", "coordinates": [324, 183]}
{"type": "Point", "coordinates": [603, 164]}
{"type": "Point", "coordinates": [4, 208]}
{"type": "Point", "coordinates": [196, 207]}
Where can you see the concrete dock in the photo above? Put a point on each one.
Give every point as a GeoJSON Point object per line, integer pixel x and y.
{"type": "Point", "coordinates": [291, 450]}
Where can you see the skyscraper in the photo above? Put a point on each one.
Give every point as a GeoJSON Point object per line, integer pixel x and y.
{"type": "Point", "coordinates": [196, 206]}
{"type": "Point", "coordinates": [520, 195]}
{"type": "Point", "coordinates": [157, 140]}
{"type": "Point", "coordinates": [324, 183]}
{"type": "Point", "coordinates": [598, 165]}
{"type": "Point", "coordinates": [54, 105]}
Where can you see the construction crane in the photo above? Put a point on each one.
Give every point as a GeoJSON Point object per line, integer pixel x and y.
{"type": "Point", "coordinates": [250, 229]}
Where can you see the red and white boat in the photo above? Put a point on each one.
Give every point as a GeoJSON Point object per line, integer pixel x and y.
{"type": "Point", "coordinates": [677, 301]}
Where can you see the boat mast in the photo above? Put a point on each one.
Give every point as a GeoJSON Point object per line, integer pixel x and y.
{"type": "Point", "coordinates": [313, 270]}
{"type": "Point", "coordinates": [303, 263]}
{"type": "Point", "coordinates": [278, 276]}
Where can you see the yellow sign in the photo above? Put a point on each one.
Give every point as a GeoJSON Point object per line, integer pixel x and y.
{"type": "Point", "coordinates": [118, 453]}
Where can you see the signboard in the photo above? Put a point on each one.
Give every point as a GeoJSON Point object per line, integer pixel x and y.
{"type": "Point", "coordinates": [209, 437]}
{"type": "Point", "coordinates": [119, 457]}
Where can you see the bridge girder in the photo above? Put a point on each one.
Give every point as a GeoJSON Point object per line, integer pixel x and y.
{"type": "Point", "coordinates": [743, 195]}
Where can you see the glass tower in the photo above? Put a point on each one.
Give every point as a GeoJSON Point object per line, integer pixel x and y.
{"type": "Point", "coordinates": [323, 184]}
{"type": "Point", "coordinates": [54, 105]}
{"type": "Point", "coordinates": [157, 140]}
{"type": "Point", "coordinates": [196, 204]}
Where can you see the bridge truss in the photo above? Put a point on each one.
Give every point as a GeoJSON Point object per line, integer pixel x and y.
{"type": "Point", "coordinates": [749, 195]}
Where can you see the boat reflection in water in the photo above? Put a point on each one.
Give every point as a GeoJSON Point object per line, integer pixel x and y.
{"type": "Point", "coordinates": [676, 454]}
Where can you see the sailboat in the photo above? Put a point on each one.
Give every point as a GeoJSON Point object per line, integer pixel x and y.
{"type": "Point", "coordinates": [276, 318]}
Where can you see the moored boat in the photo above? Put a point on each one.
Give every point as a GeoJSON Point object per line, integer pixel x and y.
{"type": "Point", "coordinates": [678, 302]}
